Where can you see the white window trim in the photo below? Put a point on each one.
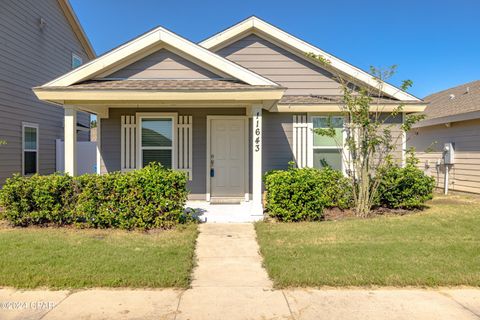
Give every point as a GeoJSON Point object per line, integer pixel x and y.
{"type": "Point", "coordinates": [140, 148]}
{"type": "Point", "coordinates": [37, 150]}
{"type": "Point", "coordinates": [312, 147]}
{"type": "Point", "coordinates": [76, 56]}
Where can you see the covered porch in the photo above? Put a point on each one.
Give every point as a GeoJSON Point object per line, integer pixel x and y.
{"type": "Point", "coordinates": [212, 130]}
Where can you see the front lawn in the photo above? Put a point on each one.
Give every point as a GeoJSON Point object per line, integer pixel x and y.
{"type": "Point", "coordinates": [73, 258]}
{"type": "Point", "coordinates": [436, 247]}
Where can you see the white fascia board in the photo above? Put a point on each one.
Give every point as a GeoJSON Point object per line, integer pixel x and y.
{"type": "Point", "coordinates": [339, 108]}
{"type": "Point", "coordinates": [284, 37]}
{"type": "Point", "coordinates": [447, 119]}
{"type": "Point", "coordinates": [148, 40]}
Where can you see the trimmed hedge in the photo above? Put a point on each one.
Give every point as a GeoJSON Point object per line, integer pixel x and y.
{"type": "Point", "coordinates": [38, 200]}
{"type": "Point", "coordinates": [405, 188]}
{"type": "Point", "coordinates": [153, 197]}
{"type": "Point", "coordinates": [302, 194]}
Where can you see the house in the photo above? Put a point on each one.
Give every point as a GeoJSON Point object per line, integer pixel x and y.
{"type": "Point", "coordinates": [39, 40]}
{"type": "Point", "coordinates": [452, 120]}
{"type": "Point", "coordinates": [226, 110]}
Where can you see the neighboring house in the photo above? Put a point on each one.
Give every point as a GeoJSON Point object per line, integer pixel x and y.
{"type": "Point", "coordinates": [225, 110]}
{"type": "Point", "coordinates": [39, 40]}
{"type": "Point", "coordinates": [452, 116]}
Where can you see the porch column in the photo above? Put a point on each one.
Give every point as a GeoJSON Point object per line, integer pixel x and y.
{"type": "Point", "coordinates": [257, 157]}
{"type": "Point", "coordinates": [70, 137]}
{"type": "Point", "coordinates": [99, 145]}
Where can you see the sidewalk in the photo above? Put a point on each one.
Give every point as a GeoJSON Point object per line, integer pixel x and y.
{"type": "Point", "coordinates": [230, 283]}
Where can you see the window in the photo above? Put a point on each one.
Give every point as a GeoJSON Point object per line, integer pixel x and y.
{"type": "Point", "coordinates": [76, 61]}
{"type": "Point", "coordinates": [327, 151]}
{"type": "Point", "coordinates": [156, 140]}
{"type": "Point", "coordinates": [30, 148]}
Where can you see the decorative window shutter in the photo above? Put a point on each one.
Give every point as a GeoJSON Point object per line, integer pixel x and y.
{"type": "Point", "coordinates": [300, 141]}
{"type": "Point", "coordinates": [184, 145]}
{"type": "Point", "coordinates": [129, 143]}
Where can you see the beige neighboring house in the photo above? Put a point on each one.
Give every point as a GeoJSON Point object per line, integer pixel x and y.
{"type": "Point", "coordinates": [39, 40]}
{"type": "Point", "coordinates": [453, 119]}
{"type": "Point", "coordinates": [224, 110]}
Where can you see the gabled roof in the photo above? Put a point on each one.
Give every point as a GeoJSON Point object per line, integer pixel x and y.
{"type": "Point", "coordinates": [258, 26]}
{"type": "Point", "coordinates": [455, 104]}
{"type": "Point", "coordinates": [143, 45]}
{"type": "Point", "coordinates": [77, 27]}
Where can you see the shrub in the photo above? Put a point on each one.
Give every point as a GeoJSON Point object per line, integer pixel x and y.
{"type": "Point", "coordinates": [405, 188]}
{"type": "Point", "coordinates": [302, 194]}
{"type": "Point", "coordinates": [38, 200]}
{"type": "Point", "coordinates": [151, 197]}
{"type": "Point", "coordinates": [148, 198]}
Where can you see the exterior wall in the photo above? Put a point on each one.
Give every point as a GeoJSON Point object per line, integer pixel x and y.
{"type": "Point", "coordinates": [163, 64]}
{"type": "Point", "coordinates": [31, 56]}
{"type": "Point", "coordinates": [281, 66]}
{"type": "Point", "coordinates": [277, 140]}
{"type": "Point", "coordinates": [429, 142]}
{"type": "Point", "coordinates": [110, 140]}
{"type": "Point", "coordinates": [394, 124]}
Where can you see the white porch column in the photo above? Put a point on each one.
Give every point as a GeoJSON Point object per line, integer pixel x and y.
{"type": "Point", "coordinates": [257, 159]}
{"type": "Point", "coordinates": [70, 136]}
{"type": "Point", "coordinates": [99, 145]}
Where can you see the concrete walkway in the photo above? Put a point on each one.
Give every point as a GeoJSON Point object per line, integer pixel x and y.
{"type": "Point", "coordinates": [230, 283]}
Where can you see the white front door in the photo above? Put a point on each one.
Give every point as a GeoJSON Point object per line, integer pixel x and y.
{"type": "Point", "coordinates": [227, 157]}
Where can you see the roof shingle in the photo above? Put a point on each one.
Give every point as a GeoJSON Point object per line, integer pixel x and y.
{"type": "Point", "coordinates": [454, 101]}
{"type": "Point", "coordinates": [164, 85]}
{"type": "Point", "coordinates": [331, 99]}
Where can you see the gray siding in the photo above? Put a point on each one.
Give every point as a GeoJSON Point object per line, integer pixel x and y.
{"type": "Point", "coordinates": [277, 140]}
{"type": "Point", "coordinates": [163, 64]}
{"type": "Point", "coordinates": [281, 66]}
{"type": "Point", "coordinates": [429, 142]}
{"type": "Point", "coordinates": [30, 56]}
{"type": "Point", "coordinates": [110, 140]}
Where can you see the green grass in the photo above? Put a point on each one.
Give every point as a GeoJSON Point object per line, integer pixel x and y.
{"type": "Point", "coordinates": [436, 247]}
{"type": "Point", "coordinates": [72, 258]}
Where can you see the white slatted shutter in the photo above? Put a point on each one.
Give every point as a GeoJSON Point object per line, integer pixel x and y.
{"type": "Point", "coordinates": [128, 143]}
{"type": "Point", "coordinates": [184, 144]}
{"type": "Point", "coordinates": [300, 143]}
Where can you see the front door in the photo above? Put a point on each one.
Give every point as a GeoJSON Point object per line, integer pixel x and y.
{"type": "Point", "coordinates": [227, 158]}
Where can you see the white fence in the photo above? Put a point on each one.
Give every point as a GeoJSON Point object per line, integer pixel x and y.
{"type": "Point", "coordinates": [86, 156]}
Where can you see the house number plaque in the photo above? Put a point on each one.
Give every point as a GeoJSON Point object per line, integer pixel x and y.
{"type": "Point", "coordinates": [257, 132]}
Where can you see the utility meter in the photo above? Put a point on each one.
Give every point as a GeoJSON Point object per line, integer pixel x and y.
{"type": "Point", "coordinates": [448, 153]}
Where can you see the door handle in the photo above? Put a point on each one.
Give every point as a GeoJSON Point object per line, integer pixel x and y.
{"type": "Point", "coordinates": [211, 160]}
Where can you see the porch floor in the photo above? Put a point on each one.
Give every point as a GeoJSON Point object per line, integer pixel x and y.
{"type": "Point", "coordinates": [225, 213]}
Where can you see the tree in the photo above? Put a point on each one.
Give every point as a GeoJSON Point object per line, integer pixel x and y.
{"type": "Point", "coordinates": [369, 143]}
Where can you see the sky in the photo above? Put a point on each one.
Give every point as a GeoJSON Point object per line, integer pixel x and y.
{"type": "Point", "coordinates": [434, 43]}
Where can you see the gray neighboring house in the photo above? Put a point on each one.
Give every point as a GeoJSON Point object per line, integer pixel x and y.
{"type": "Point", "coordinates": [39, 40]}
{"type": "Point", "coordinates": [225, 110]}
{"type": "Point", "coordinates": [452, 116]}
